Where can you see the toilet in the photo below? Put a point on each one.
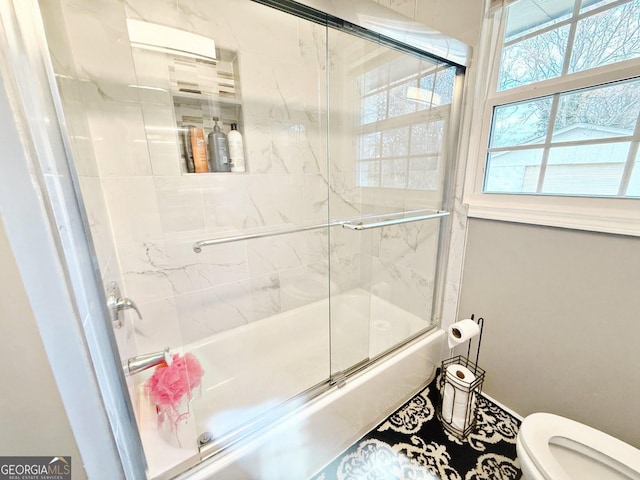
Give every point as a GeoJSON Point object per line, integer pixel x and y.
{"type": "Point", "coordinates": [551, 447]}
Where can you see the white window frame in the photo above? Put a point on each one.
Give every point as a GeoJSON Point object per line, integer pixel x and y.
{"type": "Point", "coordinates": [601, 214]}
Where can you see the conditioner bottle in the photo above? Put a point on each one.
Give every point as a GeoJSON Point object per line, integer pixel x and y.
{"type": "Point", "coordinates": [219, 149]}
{"type": "Point", "coordinates": [236, 149]}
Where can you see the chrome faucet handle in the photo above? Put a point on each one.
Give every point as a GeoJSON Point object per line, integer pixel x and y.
{"type": "Point", "coordinates": [126, 303]}
{"type": "Point", "coordinates": [116, 303]}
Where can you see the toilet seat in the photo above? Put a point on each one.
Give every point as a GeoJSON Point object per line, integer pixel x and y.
{"type": "Point", "coordinates": [539, 430]}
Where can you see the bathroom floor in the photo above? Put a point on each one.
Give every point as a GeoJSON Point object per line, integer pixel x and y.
{"type": "Point", "coordinates": [412, 444]}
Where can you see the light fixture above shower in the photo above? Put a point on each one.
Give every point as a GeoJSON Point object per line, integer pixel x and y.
{"type": "Point", "coordinates": [160, 38]}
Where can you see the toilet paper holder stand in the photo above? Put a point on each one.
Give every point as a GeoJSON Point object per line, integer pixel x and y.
{"type": "Point", "coordinates": [461, 419]}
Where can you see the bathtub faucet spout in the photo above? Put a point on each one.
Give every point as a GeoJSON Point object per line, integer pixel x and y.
{"type": "Point", "coordinates": [143, 362]}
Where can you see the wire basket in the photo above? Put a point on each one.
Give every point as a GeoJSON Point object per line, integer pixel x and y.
{"type": "Point", "coordinates": [457, 408]}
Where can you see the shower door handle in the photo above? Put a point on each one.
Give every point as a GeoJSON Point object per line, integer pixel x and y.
{"type": "Point", "coordinates": [115, 304]}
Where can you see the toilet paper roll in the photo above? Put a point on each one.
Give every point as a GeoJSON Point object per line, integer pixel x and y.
{"type": "Point", "coordinates": [455, 397]}
{"type": "Point", "coordinates": [460, 375]}
{"type": "Point", "coordinates": [462, 331]}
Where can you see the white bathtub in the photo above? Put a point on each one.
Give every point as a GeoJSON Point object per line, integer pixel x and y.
{"type": "Point", "coordinates": [252, 369]}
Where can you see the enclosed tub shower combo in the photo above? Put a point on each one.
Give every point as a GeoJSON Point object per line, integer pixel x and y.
{"type": "Point", "coordinates": [267, 186]}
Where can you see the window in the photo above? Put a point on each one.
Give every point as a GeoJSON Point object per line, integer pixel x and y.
{"type": "Point", "coordinates": [558, 143]}
{"type": "Point", "coordinates": [573, 142]}
{"type": "Point", "coordinates": [579, 142]}
{"type": "Point", "coordinates": [404, 113]}
{"type": "Point", "coordinates": [545, 40]}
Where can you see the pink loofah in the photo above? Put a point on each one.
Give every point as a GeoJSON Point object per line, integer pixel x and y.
{"type": "Point", "coordinates": [169, 384]}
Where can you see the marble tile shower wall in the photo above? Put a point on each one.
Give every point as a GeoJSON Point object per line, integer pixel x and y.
{"type": "Point", "coordinates": [398, 262]}
{"type": "Point", "coordinates": [145, 214]}
{"type": "Point", "coordinates": [281, 62]}
{"type": "Point", "coordinates": [443, 15]}
{"type": "Point", "coordinates": [155, 213]}
{"type": "Point", "coordinates": [73, 80]}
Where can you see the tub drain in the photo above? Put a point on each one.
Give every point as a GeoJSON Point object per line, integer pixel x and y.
{"type": "Point", "coordinates": [205, 438]}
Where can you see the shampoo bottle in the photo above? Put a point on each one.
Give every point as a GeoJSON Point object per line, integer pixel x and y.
{"type": "Point", "coordinates": [236, 149]}
{"type": "Point", "coordinates": [219, 149]}
{"type": "Point", "coordinates": [199, 150]}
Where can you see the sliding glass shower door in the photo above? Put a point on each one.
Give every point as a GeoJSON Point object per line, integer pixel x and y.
{"type": "Point", "coordinates": [228, 269]}
{"type": "Point", "coordinates": [389, 115]}
{"type": "Point", "coordinates": [272, 278]}
{"type": "Point", "coordinates": [254, 309]}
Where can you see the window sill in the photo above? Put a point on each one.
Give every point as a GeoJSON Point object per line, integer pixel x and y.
{"type": "Point", "coordinates": [609, 215]}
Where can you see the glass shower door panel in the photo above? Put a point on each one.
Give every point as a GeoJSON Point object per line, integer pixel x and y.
{"type": "Point", "coordinates": [400, 272]}
{"type": "Point", "coordinates": [258, 317]}
{"type": "Point", "coordinates": [388, 125]}
{"type": "Point", "coordinates": [253, 314]}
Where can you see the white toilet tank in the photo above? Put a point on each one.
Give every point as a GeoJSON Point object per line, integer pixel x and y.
{"type": "Point", "coordinates": [551, 447]}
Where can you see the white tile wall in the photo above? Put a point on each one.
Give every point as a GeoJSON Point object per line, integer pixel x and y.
{"type": "Point", "coordinates": [221, 264]}
{"type": "Point", "coordinates": [119, 140]}
{"type": "Point", "coordinates": [162, 141]}
{"type": "Point", "coordinates": [156, 213]}
{"type": "Point", "coordinates": [179, 200]}
{"type": "Point", "coordinates": [133, 209]}
{"type": "Point", "coordinates": [159, 327]}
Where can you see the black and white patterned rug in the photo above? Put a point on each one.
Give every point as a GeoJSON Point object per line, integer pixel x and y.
{"type": "Point", "coordinates": [412, 444]}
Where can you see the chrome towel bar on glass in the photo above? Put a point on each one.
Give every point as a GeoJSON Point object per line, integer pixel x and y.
{"type": "Point", "coordinates": [350, 224]}
{"type": "Point", "coordinates": [197, 247]}
{"type": "Point", "coordinates": [365, 226]}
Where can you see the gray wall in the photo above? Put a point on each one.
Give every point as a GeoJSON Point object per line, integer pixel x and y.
{"type": "Point", "coordinates": [32, 418]}
{"type": "Point", "coordinates": [562, 321]}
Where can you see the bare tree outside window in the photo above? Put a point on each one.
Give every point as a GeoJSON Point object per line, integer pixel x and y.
{"type": "Point", "coordinates": [581, 142]}
{"type": "Point", "coordinates": [601, 39]}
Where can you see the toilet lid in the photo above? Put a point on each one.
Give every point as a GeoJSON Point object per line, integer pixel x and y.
{"type": "Point", "coordinates": [539, 429]}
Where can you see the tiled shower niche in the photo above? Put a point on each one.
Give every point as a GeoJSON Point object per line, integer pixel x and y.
{"type": "Point", "coordinates": [195, 90]}
{"type": "Point", "coordinates": [201, 90]}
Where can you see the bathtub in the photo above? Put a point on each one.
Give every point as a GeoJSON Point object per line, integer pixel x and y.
{"type": "Point", "coordinates": [250, 372]}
